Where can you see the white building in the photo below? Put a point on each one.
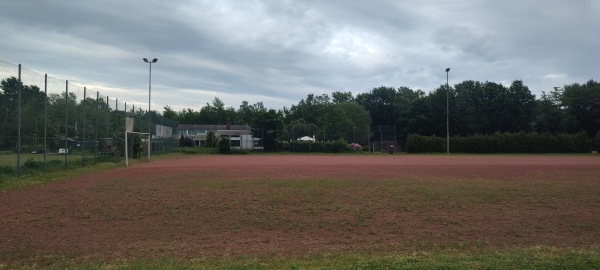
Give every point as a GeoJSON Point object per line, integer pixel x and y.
{"type": "Point", "coordinates": [240, 135]}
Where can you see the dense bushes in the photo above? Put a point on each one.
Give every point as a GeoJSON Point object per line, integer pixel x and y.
{"type": "Point", "coordinates": [186, 142]}
{"type": "Point", "coordinates": [7, 170]}
{"type": "Point", "coordinates": [521, 142]}
{"type": "Point", "coordinates": [224, 145]}
{"type": "Point", "coordinates": [597, 142]}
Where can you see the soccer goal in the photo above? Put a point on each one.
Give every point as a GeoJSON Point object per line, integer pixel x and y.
{"type": "Point", "coordinates": [135, 142]}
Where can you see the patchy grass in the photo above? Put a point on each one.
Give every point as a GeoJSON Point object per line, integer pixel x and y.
{"type": "Point", "coordinates": [11, 182]}
{"type": "Point", "coordinates": [279, 216]}
{"type": "Point", "coordinates": [543, 258]}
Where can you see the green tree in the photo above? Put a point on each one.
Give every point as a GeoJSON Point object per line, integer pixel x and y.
{"type": "Point", "coordinates": [224, 145]}
{"type": "Point", "coordinates": [211, 139]}
{"type": "Point", "coordinates": [310, 109]}
{"type": "Point", "coordinates": [581, 103]}
{"type": "Point", "coordinates": [520, 109]}
{"type": "Point", "coordinates": [547, 115]}
{"type": "Point", "coordinates": [170, 113]}
{"type": "Point", "coordinates": [420, 120]}
{"type": "Point", "coordinates": [381, 104]}
{"type": "Point", "coordinates": [32, 110]}
{"type": "Point", "coordinates": [188, 116]}
{"type": "Point", "coordinates": [299, 128]}
{"type": "Point", "coordinates": [342, 97]}
{"type": "Point", "coordinates": [342, 120]}
{"type": "Point", "coordinates": [246, 112]}
{"type": "Point", "coordinates": [268, 125]}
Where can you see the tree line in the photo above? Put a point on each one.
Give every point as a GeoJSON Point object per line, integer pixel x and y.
{"type": "Point", "coordinates": [68, 116]}
{"type": "Point", "coordinates": [476, 108]}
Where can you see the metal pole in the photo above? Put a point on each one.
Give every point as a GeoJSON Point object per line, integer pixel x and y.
{"type": "Point", "coordinates": [149, 95]}
{"type": "Point", "coordinates": [369, 137]}
{"type": "Point", "coordinates": [97, 129]}
{"type": "Point", "coordinates": [83, 137]}
{"type": "Point", "coordinates": [45, 120]}
{"type": "Point", "coordinates": [447, 114]}
{"type": "Point", "coordinates": [19, 125]}
{"type": "Point", "coordinates": [107, 115]}
{"type": "Point", "coordinates": [66, 121]}
{"type": "Point", "coordinates": [381, 139]}
{"type": "Point", "coordinates": [117, 115]}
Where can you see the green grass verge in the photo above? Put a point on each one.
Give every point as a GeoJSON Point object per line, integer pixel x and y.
{"type": "Point", "coordinates": [11, 182]}
{"type": "Point", "coordinates": [533, 258]}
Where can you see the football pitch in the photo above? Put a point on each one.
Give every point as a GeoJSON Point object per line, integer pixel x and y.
{"type": "Point", "coordinates": [313, 211]}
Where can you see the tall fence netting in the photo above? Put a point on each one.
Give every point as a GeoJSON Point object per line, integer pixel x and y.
{"type": "Point", "coordinates": [60, 124]}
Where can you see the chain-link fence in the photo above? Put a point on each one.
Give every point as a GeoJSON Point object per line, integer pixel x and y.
{"type": "Point", "coordinates": [336, 138]}
{"type": "Point", "coordinates": [49, 124]}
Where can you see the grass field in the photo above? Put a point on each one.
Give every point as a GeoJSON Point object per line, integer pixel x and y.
{"type": "Point", "coordinates": [312, 212]}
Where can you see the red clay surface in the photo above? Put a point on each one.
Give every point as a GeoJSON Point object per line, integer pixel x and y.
{"type": "Point", "coordinates": [292, 205]}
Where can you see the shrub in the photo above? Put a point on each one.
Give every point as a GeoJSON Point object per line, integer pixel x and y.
{"type": "Point", "coordinates": [582, 141]}
{"type": "Point", "coordinates": [224, 145]}
{"type": "Point", "coordinates": [211, 139]}
{"type": "Point", "coordinates": [33, 164]}
{"type": "Point", "coordinates": [185, 142]}
{"type": "Point", "coordinates": [7, 170]}
{"type": "Point", "coordinates": [597, 141]}
{"type": "Point", "coordinates": [198, 150]}
{"type": "Point", "coordinates": [425, 144]}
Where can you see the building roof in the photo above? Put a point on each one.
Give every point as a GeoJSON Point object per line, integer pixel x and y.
{"type": "Point", "coordinates": [212, 127]}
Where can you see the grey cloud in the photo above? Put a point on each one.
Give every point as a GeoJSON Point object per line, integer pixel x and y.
{"type": "Point", "coordinates": [283, 50]}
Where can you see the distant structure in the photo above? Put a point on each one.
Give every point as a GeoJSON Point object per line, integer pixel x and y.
{"type": "Point", "coordinates": [240, 135]}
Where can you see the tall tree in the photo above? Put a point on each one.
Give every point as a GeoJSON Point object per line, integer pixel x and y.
{"type": "Point", "coordinates": [581, 103]}
{"type": "Point", "coordinates": [310, 109]}
{"type": "Point", "coordinates": [547, 115]}
{"type": "Point", "coordinates": [342, 121]}
{"type": "Point", "coordinates": [341, 97]}
{"type": "Point", "coordinates": [170, 113]}
{"type": "Point", "coordinates": [381, 104]}
{"type": "Point", "coordinates": [521, 107]}
{"type": "Point", "coordinates": [32, 108]}
{"type": "Point", "coordinates": [268, 125]}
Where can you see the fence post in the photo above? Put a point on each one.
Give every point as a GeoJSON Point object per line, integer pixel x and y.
{"type": "Point", "coordinates": [324, 146]}
{"type": "Point", "coordinates": [19, 125]}
{"type": "Point", "coordinates": [369, 137]}
{"type": "Point", "coordinates": [66, 122]}
{"type": "Point", "coordinates": [45, 121]}
{"type": "Point", "coordinates": [96, 137]}
{"type": "Point", "coordinates": [107, 114]}
{"type": "Point", "coordinates": [83, 135]}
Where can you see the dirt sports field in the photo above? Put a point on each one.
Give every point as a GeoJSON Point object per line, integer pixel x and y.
{"type": "Point", "coordinates": [293, 205]}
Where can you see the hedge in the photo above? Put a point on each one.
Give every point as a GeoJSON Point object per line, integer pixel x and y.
{"type": "Point", "coordinates": [520, 142]}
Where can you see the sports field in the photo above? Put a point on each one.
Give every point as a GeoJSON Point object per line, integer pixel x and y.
{"type": "Point", "coordinates": [289, 207]}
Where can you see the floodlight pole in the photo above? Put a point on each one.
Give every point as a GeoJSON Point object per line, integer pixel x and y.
{"type": "Point", "coordinates": [149, 96]}
{"type": "Point", "coordinates": [447, 114]}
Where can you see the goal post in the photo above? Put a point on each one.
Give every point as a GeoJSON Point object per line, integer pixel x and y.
{"type": "Point", "coordinates": [147, 135]}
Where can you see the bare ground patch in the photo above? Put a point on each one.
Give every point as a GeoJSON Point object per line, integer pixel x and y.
{"type": "Point", "coordinates": [302, 205]}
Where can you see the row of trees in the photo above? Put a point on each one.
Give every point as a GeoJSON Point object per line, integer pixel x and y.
{"type": "Point", "coordinates": [69, 117]}
{"type": "Point", "coordinates": [475, 108]}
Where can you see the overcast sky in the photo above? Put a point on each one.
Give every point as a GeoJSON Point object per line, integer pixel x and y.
{"type": "Point", "coordinates": [278, 52]}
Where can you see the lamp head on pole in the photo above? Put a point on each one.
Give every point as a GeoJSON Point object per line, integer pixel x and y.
{"type": "Point", "coordinates": [154, 60]}
{"type": "Point", "coordinates": [145, 60]}
{"type": "Point", "coordinates": [447, 69]}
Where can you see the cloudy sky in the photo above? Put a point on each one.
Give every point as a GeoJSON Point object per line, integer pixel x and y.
{"type": "Point", "coordinates": [277, 52]}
